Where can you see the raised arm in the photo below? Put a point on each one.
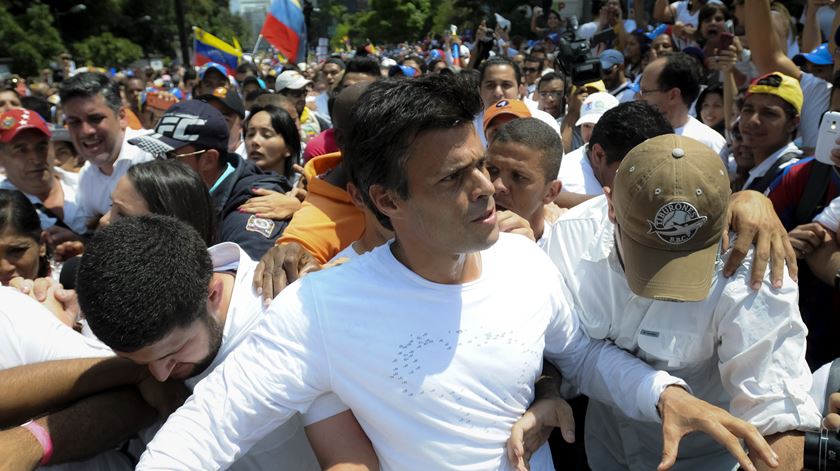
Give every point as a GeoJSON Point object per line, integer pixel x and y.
{"type": "Point", "coordinates": [767, 52]}
{"type": "Point", "coordinates": [534, 15]}
{"type": "Point", "coordinates": [811, 36]}
{"type": "Point", "coordinates": [663, 12]}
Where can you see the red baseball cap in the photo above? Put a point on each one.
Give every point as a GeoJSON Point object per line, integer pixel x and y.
{"type": "Point", "coordinates": [13, 121]}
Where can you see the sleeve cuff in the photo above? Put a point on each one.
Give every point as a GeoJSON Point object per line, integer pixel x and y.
{"type": "Point", "coordinates": [650, 390]}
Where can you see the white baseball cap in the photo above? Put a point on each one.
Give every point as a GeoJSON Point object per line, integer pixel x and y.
{"type": "Point", "coordinates": [595, 106]}
{"type": "Point", "coordinates": [290, 79]}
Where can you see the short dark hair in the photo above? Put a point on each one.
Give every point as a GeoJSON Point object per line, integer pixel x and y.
{"type": "Point", "coordinates": [88, 85]}
{"type": "Point", "coordinates": [499, 61]}
{"type": "Point", "coordinates": [626, 126]}
{"type": "Point", "coordinates": [681, 71]}
{"type": "Point", "coordinates": [18, 216]}
{"type": "Point", "coordinates": [283, 125]}
{"type": "Point", "coordinates": [246, 67]}
{"type": "Point", "coordinates": [536, 135]}
{"type": "Point", "coordinates": [363, 65]}
{"type": "Point", "coordinates": [388, 117]}
{"type": "Point", "coordinates": [171, 188]}
{"type": "Point", "coordinates": [553, 76]}
{"type": "Point", "coordinates": [140, 278]}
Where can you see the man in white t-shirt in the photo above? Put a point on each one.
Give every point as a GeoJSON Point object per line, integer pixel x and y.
{"type": "Point", "coordinates": [501, 78]}
{"type": "Point", "coordinates": [662, 295]}
{"type": "Point", "coordinates": [671, 84]}
{"type": "Point", "coordinates": [95, 117]}
{"type": "Point", "coordinates": [768, 55]}
{"type": "Point", "coordinates": [576, 171]}
{"type": "Point", "coordinates": [183, 326]}
{"type": "Point", "coordinates": [409, 335]}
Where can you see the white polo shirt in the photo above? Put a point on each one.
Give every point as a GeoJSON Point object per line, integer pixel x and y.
{"type": "Point", "coordinates": [829, 217]}
{"type": "Point", "coordinates": [576, 173]}
{"type": "Point", "coordinates": [700, 132]}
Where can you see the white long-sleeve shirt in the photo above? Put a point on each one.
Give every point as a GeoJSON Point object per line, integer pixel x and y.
{"type": "Point", "coordinates": [435, 374]}
{"type": "Point", "coordinates": [739, 349]}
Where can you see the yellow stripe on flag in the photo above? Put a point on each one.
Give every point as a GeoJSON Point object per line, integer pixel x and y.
{"type": "Point", "coordinates": [213, 41]}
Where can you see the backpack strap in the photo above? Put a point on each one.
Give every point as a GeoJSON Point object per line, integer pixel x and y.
{"type": "Point", "coordinates": [814, 191]}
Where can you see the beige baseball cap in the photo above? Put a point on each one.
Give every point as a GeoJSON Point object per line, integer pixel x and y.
{"type": "Point", "coordinates": [670, 196]}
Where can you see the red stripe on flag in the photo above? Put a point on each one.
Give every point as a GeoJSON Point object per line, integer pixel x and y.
{"type": "Point", "coordinates": [285, 39]}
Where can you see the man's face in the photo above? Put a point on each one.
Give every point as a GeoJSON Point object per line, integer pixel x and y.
{"type": "Point", "coordinates": [352, 78]}
{"type": "Point", "coordinates": [9, 100]}
{"type": "Point", "coordinates": [551, 97]}
{"type": "Point", "coordinates": [212, 80]}
{"type": "Point", "coordinates": [822, 71]}
{"type": "Point", "coordinates": [586, 131]}
{"type": "Point", "coordinates": [763, 123]}
{"type": "Point", "coordinates": [540, 56]}
{"type": "Point", "coordinates": [25, 159]}
{"type": "Point", "coordinates": [133, 88]}
{"type": "Point", "coordinates": [531, 72]}
{"type": "Point", "coordinates": [332, 74]}
{"type": "Point", "coordinates": [297, 96]}
{"type": "Point", "coordinates": [518, 179]}
{"type": "Point", "coordinates": [450, 208]}
{"type": "Point", "coordinates": [662, 45]}
{"type": "Point", "coordinates": [96, 130]}
{"type": "Point", "coordinates": [183, 353]}
{"type": "Point", "coordinates": [649, 91]}
{"type": "Point", "coordinates": [234, 123]}
{"type": "Point", "coordinates": [611, 76]}
{"type": "Point", "coordinates": [499, 82]}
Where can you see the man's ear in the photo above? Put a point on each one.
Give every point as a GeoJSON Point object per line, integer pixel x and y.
{"type": "Point", "coordinates": [215, 291]}
{"type": "Point", "coordinates": [523, 90]}
{"type": "Point", "coordinates": [356, 196]}
{"type": "Point", "coordinates": [209, 161]}
{"type": "Point", "coordinates": [385, 200]}
{"type": "Point", "coordinates": [793, 124]}
{"type": "Point", "coordinates": [552, 191]}
{"type": "Point", "coordinates": [123, 118]}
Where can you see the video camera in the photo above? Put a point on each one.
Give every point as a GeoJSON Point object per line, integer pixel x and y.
{"type": "Point", "coordinates": [822, 450]}
{"type": "Point", "coordinates": [576, 59]}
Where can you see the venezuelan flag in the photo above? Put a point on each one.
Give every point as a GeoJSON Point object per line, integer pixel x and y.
{"type": "Point", "coordinates": [285, 29]}
{"type": "Point", "coordinates": [209, 48]}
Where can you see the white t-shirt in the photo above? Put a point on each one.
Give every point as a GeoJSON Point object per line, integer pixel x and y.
{"type": "Point", "coordinates": [576, 173]}
{"type": "Point", "coordinates": [95, 187]}
{"type": "Point", "coordinates": [624, 93]}
{"type": "Point", "coordinates": [74, 216]}
{"type": "Point", "coordinates": [829, 217]}
{"type": "Point", "coordinates": [285, 447]}
{"type": "Point", "coordinates": [700, 132]}
{"type": "Point", "coordinates": [29, 333]}
{"type": "Point", "coordinates": [435, 374]}
{"type": "Point", "coordinates": [817, 93]}
{"type": "Point", "coordinates": [537, 113]}
{"type": "Point", "coordinates": [739, 349]}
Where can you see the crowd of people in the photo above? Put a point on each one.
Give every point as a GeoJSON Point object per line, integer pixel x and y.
{"type": "Point", "coordinates": [469, 252]}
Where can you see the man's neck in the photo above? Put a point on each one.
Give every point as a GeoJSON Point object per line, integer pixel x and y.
{"type": "Point", "coordinates": [538, 223]}
{"type": "Point", "coordinates": [679, 118]}
{"type": "Point", "coordinates": [228, 279]}
{"type": "Point", "coordinates": [447, 269]}
{"type": "Point", "coordinates": [108, 167]}
{"type": "Point", "coordinates": [764, 153]}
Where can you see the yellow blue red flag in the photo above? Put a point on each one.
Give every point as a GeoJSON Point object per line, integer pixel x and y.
{"type": "Point", "coordinates": [285, 29]}
{"type": "Point", "coordinates": [209, 48]}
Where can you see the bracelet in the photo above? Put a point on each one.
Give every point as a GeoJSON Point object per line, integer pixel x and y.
{"type": "Point", "coordinates": [43, 436]}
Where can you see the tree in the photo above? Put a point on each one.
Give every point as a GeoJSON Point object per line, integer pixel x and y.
{"type": "Point", "coordinates": [107, 50]}
{"type": "Point", "coordinates": [32, 40]}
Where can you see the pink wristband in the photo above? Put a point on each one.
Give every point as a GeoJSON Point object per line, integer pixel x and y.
{"type": "Point", "coordinates": [43, 436]}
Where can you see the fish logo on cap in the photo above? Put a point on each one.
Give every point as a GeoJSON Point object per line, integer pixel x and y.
{"type": "Point", "coordinates": [676, 222]}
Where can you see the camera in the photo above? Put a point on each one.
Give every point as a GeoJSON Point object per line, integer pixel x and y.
{"type": "Point", "coordinates": [575, 59]}
{"type": "Point", "coordinates": [822, 450]}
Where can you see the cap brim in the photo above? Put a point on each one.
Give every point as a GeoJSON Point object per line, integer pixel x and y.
{"type": "Point", "coordinates": [668, 275]}
{"type": "Point", "coordinates": [156, 145]}
{"type": "Point", "coordinates": [591, 118]}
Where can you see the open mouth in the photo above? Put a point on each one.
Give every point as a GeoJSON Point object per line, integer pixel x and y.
{"type": "Point", "coordinates": [488, 216]}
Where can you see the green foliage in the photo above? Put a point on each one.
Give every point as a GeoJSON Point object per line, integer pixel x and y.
{"type": "Point", "coordinates": [29, 38]}
{"type": "Point", "coordinates": [106, 50]}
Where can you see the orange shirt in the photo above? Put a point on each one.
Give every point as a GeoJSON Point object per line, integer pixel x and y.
{"type": "Point", "coordinates": [327, 221]}
{"type": "Point", "coordinates": [133, 120]}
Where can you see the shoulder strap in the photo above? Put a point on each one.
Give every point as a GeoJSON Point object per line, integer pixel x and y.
{"type": "Point", "coordinates": [58, 221]}
{"type": "Point", "coordinates": [761, 184]}
{"type": "Point", "coordinates": [814, 191]}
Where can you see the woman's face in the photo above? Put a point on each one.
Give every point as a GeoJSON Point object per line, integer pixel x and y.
{"type": "Point", "coordinates": [632, 51]}
{"type": "Point", "coordinates": [712, 26]}
{"type": "Point", "coordinates": [126, 201]}
{"type": "Point", "coordinates": [266, 147]}
{"type": "Point", "coordinates": [553, 21]}
{"type": "Point", "coordinates": [662, 45]}
{"type": "Point", "coordinates": [9, 100]}
{"type": "Point", "coordinates": [712, 112]}
{"type": "Point", "coordinates": [20, 255]}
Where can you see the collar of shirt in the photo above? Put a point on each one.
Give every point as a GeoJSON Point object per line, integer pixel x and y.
{"type": "Point", "coordinates": [759, 170]}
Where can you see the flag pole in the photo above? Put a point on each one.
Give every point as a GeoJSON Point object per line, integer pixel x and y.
{"type": "Point", "coordinates": [257, 45]}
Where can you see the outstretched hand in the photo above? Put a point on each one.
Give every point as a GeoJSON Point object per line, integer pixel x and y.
{"type": "Point", "coordinates": [683, 413]}
{"type": "Point", "coordinates": [534, 427]}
